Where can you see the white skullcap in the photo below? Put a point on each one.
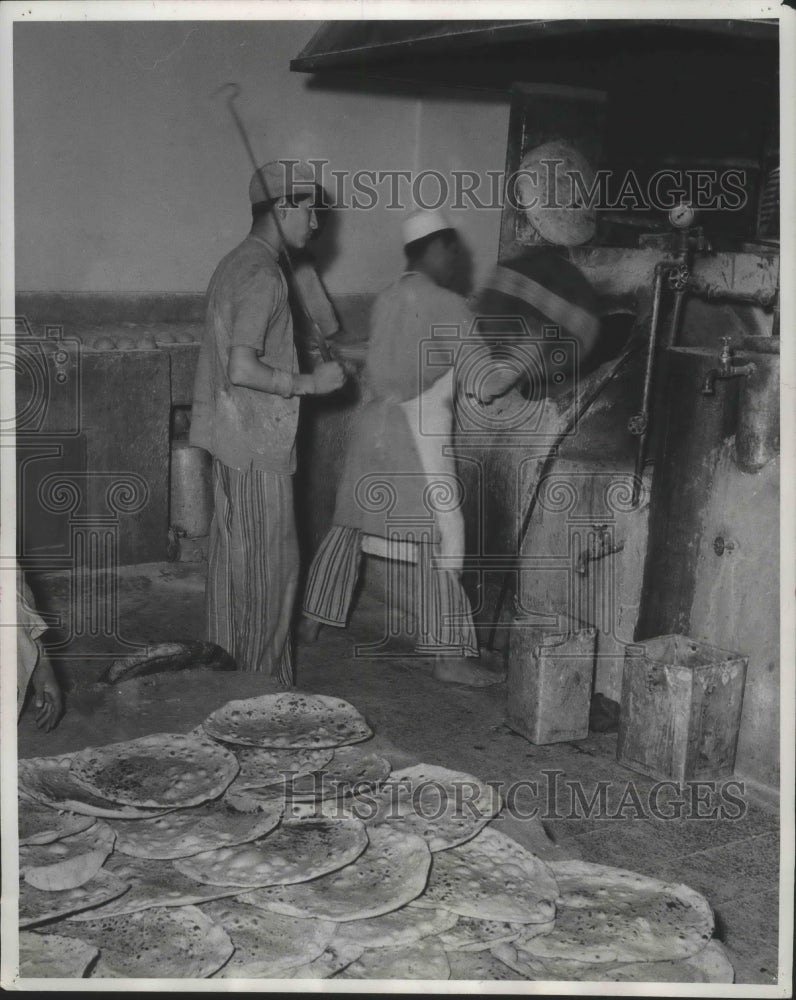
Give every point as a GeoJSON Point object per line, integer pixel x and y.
{"type": "Point", "coordinates": [423, 222]}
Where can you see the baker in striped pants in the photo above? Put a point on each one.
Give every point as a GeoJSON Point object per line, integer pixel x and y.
{"type": "Point", "coordinates": [399, 495]}
{"type": "Point", "coordinates": [245, 413]}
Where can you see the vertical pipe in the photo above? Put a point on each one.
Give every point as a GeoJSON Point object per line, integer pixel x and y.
{"type": "Point", "coordinates": [645, 401]}
{"type": "Point", "coordinates": [677, 309]}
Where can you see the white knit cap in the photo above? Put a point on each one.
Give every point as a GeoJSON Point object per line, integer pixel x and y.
{"type": "Point", "coordinates": [423, 222]}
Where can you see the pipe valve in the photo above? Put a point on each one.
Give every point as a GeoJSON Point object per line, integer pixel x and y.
{"type": "Point", "coordinates": [726, 369]}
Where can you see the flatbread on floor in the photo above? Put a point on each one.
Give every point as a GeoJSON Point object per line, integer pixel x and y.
{"type": "Point", "coordinates": [292, 720]}
{"type": "Point", "coordinates": [608, 914]}
{"type": "Point", "coordinates": [153, 884]}
{"type": "Point", "coordinates": [336, 956]}
{"type": "Point", "coordinates": [69, 862]}
{"type": "Point", "coordinates": [41, 824]}
{"type": "Point", "coordinates": [492, 877]}
{"type": "Point", "coordinates": [267, 944]}
{"type": "Point", "coordinates": [391, 872]}
{"type": "Point", "coordinates": [36, 906]}
{"type": "Point", "coordinates": [53, 956]}
{"type": "Point", "coordinates": [165, 770]}
{"type": "Point", "coordinates": [49, 780]}
{"type": "Point", "coordinates": [174, 943]}
{"type": "Point", "coordinates": [710, 965]}
{"type": "Point", "coordinates": [349, 770]}
{"type": "Point", "coordinates": [254, 800]}
{"type": "Point", "coordinates": [398, 928]}
{"type": "Point", "coordinates": [185, 832]}
{"type": "Point", "coordinates": [424, 960]}
{"type": "Point", "coordinates": [481, 965]}
{"type": "Point", "coordinates": [296, 851]}
{"type": "Point", "coordinates": [445, 807]}
{"type": "Point", "coordinates": [263, 766]}
{"type": "Point", "coordinates": [473, 935]}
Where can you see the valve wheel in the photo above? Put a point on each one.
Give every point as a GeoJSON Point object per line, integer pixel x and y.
{"type": "Point", "coordinates": [678, 277]}
{"type": "Point", "coordinates": [637, 424]}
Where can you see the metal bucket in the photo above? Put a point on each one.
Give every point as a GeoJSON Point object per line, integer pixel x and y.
{"type": "Point", "coordinates": [191, 498]}
{"type": "Point", "coordinates": [681, 709]}
{"type": "Point", "coordinates": [550, 680]}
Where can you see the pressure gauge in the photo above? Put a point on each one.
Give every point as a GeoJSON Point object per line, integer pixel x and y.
{"type": "Point", "coordinates": [682, 216]}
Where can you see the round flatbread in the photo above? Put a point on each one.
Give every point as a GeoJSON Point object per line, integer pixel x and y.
{"type": "Point", "coordinates": [263, 766]}
{"type": "Point", "coordinates": [296, 851]}
{"type": "Point", "coordinates": [153, 884]}
{"type": "Point", "coordinates": [254, 800]}
{"type": "Point", "coordinates": [336, 956]}
{"type": "Point", "coordinates": [397, 929]}
{"type": "Point", "coordinates": [492, 877]}
{"type": "Point", "coordinates": [482, 965]}
{"type": "Point", "coordinates": [361, 806]}
{"type": "Point", "coordinates": [552, 203]}
{"type": "Point", "coordinates": [350, 770]}
{"type": "Point", "coordinates": [424, 960]}
{"type": "Point", "coordinates": [391, 872]}
{"type": "Point", "coordinates": [46, 956]}
{"type": "Point", "coordinates": [49, 780]}
{"type": "Point", "coordinates": [611, 915]}
{"type": "Point", "coordinates": [472, 935]}
{"type": "Point", "coordinates": [710, 965]}
{"type": "Point", "coordinates": [191, 831]}
{"type": "Point", "coordinates": [267, 944]}
{"type": "Point", "coordinates": [41, 824]}
{"type": "Point", "coordinates": [36, 906]}
{"type": "Point", "coordinates": [290, 720]}
{"type": "Point", "coordinates": [444, 807]}
{"type": "Point", "coordinates": [175, 943]}
{"type": "Point", "coordinates": [249, 800]}
{"type": "Point", "coordinates": [166, 770]}
{"type": "Point", "coordinates": [69, 862]}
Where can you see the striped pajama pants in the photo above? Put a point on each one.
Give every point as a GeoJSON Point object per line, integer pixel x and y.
{"type": "Point", "coordinates": [253, 569]}
{"type": "Point", "coordinates": [442, 609]}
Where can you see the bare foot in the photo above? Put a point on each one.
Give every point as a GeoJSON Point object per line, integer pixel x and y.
{"type": "Point", "coordinates": [465, 670]}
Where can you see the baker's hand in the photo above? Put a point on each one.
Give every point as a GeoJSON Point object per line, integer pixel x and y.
{"type": "Point", "coordinates": [47, 701]}
{"type": "Point", "coordinates": [496, 383]}
{"type": "Point", "coordinates": [328, 377]}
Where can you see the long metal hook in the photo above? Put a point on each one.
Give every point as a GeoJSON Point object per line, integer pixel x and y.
{"type": "Point", "coordinates": [234, 87]}
{"type": "Point", "coordinates": [234, 91]}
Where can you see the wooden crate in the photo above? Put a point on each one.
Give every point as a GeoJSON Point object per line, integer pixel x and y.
{"type": "Point", "coordinates": [681, 709]}
{"type": "Point", "coordinates": [550, 679]}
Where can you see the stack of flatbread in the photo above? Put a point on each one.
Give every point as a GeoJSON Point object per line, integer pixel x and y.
{"type": "Point", "coordinates": [269, 843]}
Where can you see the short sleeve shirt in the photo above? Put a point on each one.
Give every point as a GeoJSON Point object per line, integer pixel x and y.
{"type": "Point", "coordinates": [416, 331]}
{"type": "Point", "coordinates": [247, 306]}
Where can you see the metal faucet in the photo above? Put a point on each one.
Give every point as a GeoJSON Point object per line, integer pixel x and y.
{"type": "Point", "coordinates": [599, 546]}
{"type": "Point", "coordinates": [725, 370]}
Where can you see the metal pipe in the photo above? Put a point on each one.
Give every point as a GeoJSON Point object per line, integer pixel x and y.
{"type": "Point", "coordinates": [639, 424]}
{"type": "Point", "coordinates": [233, 91]}
{"type": "Point", "coordinates": [677, 310]}
{"type": "Point", "coordinates": [762, 297]}
{"type": "Point", "coordinates": [576, 412]}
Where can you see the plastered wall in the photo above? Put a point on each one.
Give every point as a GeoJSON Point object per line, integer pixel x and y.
{"type": "Point", "coordinates": [130, 175]}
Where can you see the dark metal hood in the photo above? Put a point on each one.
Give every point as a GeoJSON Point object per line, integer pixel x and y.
{"type": "Point", "coordinates": [409, 50]}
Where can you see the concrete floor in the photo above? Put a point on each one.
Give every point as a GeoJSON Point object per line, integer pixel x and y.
{"type": "Point", "coordinates": [734, 862]}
